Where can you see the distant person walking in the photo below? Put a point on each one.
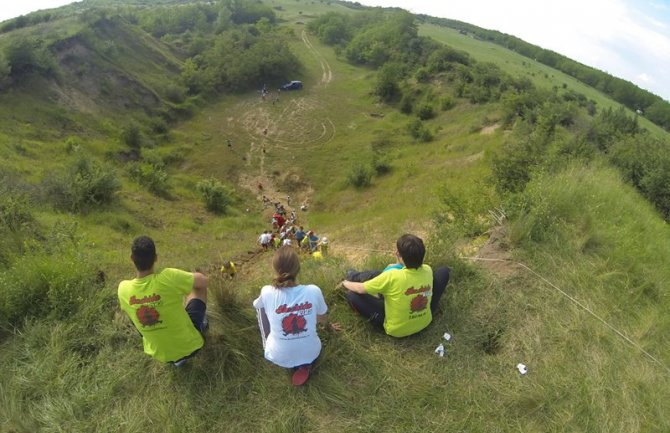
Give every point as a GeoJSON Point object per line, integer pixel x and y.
{"type": "Point", "coordinates": [154, 301]}
{"type": "Point", "coordinates": [288, 314]}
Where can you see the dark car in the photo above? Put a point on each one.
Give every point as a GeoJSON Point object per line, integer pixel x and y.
{"type": "Point", "coordinates": [292, 85]}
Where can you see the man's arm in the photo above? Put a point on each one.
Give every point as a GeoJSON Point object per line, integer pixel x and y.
{"type": "Point", "coordinates": [199, 290]}
{"type": "Point", "coordinates": [354, 287]}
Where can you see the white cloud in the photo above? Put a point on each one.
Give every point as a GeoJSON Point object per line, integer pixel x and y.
{"type": "Point", "coordinates": [11, 9]}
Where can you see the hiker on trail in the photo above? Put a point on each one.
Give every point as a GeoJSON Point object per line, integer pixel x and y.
{"type": "Point", "coordinates": [228, 268]}
{"type": "Point", "coordinates": [299, 235]}
{"type": "Point", "coordinates": [288, 200]}
{"type": "Point", "coordinates": [288, 313]}
{"type": "Point", "coordinates": [313, 240]}
{"type": "Point", "coordinates": [276, 241]}
{"type": "Point", "coordinates": [277, 221]}
{"type": "Point", "coordinates": [264, 239]}
{"type": "Point", "coordinates": [154, 301]}
{"type": "Point", "coordinates": [292, 218]}
{"type": "Point", "coordinates": [409, 295]}
{"type": "Point", "coordinates": [260, 187]}
{"type": "Point", "coordinates": [323, 246]}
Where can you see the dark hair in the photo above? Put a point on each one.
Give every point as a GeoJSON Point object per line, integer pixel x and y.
{"type": "Point", "coordinates": [143, 253]}
{"type": "Point", "coordinates": [411, 250]}
{"type": "Point", "coordinates": [286, 264]}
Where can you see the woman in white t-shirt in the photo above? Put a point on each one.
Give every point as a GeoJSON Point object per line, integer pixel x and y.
{"type": "Point", "coordinates": [288, 314]}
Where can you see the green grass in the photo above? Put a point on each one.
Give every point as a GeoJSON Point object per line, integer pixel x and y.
{"type": "Point", "coordinates": [518, 65]}
{"type": "Point", "coordinates": [582, 229]}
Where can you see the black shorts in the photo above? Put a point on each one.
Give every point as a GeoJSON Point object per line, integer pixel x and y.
{"type": "Point", "coordinates": [197, 311]}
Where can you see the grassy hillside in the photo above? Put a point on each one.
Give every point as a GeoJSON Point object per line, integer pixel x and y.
{"type": "Point", "coordinates": [73, 363]}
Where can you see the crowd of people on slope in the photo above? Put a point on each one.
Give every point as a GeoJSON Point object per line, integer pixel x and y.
{"type": "Point", "coordinates": [285, 231]}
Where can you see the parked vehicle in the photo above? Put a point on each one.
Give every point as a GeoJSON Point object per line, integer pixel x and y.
{"type": "Point", "coordinates": [292, 85]}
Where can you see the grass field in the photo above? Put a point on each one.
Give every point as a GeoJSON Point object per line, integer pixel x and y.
{"type": "Point", "coordinates": [583, 230]}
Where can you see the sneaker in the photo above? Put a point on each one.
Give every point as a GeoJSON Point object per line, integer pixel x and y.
{"type": "Point", "coordinates": [205, 324]}
{"type": "Point", "coordinates": [301, 375]}
{"type": "Point", "coordinates": [180, 362]}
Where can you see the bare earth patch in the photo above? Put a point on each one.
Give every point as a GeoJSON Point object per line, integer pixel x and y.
{"type": "Point", "coordinates": [496, 256]}
{"type": "Point", "coordinates": [488, 130]}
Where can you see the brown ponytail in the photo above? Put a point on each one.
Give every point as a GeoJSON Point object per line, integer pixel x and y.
{"type": "Point", "coordinates": [286, 264]}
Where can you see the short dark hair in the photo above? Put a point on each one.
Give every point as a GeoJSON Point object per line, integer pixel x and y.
{"type": "Point", "coordinates": [411, 250]}
{"type": "Point", "coordinates": [143, 253]}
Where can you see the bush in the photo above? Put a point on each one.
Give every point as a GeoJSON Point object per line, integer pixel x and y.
{"type": "Point", "coordinates": [151, 175]}
{"type": "Point", "coordinates": [419, 131]}
{"type": "Point", "coordinates": [447, 103]}
{"type": "Point", "coordinates": [360, 176]}
{"type": "Point", "coordinates": [132, 136]}
{"type": "Point", "coordinates": [422, 75]}
{"type": "Point", "coordinates": [86, 183]}
{"type": "Point", "coordinates": [44, 284]}
{"type": "Point", "coordinates": [381, 164]}
{"type": "Point", "coordinates": [406, 105]}
{"type": "Point", "coordinates": [425, 112]}
{"type": "Point", "coordinates": [216, 196]}
{"type": "Point", "coordinates": [15, 213]}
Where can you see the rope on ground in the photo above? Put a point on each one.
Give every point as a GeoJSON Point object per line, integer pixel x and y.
{"type": "Point", "coordinates": [576, 302]}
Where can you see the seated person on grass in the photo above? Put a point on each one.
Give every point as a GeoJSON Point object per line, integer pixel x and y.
{"type": "Point", "coordinates": [409, 296]}
{"type": "Point", "coordinates": [154, 301]}
{"type": "Point", "coordinates": [288, 314]}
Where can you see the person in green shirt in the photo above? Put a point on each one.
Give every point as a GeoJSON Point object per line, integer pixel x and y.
{"type": "Point", "coordinates": [154, 302]}
{"type": "Point", "coordinates": [401, 300]}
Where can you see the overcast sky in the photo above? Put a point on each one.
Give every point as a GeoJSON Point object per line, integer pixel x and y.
{"type": "Point", "coordinates": [627, 38]}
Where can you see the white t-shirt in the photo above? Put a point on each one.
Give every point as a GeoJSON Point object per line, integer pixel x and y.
{"type": "Point", "coordinates": [292, 312]}
{"type": "Point", "coordinates": [264, 238]}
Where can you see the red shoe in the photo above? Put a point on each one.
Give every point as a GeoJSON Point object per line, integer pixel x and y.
{"type": "Point", "coordinates": [301, 375]}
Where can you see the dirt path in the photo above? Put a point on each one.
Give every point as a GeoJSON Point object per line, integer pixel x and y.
{"type": "Point", "coordinates": [326, 71]}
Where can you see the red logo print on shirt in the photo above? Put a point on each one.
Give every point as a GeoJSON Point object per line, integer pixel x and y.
{"type": "Point", "coordinates": [293, 324]}
{"type": "Point", "coordinates": [148, 316]}
{"type": "Point", "coordinates": [419, 303]}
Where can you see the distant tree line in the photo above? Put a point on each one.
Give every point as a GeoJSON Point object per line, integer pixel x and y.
{"type": "Point", "coordinates": [654, 107]}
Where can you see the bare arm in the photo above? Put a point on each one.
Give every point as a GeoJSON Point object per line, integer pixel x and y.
{"type": "Point", "coordinates": [322, 319]}
{"type": "Point", "coordinates": [354, 287]}
{"type": "Point", "coordinates": [199, 290]}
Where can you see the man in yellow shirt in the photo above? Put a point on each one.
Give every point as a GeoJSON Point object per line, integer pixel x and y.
{"type": "Point", "coordinates": [154, 301]}
{"type": "Point", "coordinates": [401, 300]}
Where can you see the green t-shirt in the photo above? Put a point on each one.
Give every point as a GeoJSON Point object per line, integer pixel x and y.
{"type": "Point", "coordinates": [407, 294]}
{"type": "Point", "coordinates": [155, 305]}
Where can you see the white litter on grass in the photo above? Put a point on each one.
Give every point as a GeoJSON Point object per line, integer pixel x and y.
{"type": "Point", "coordinates": [522, 368]}
{"type": "Point", "coordinates": [447, 336]}
{"type": "Point", "coordinates": [440, 350]}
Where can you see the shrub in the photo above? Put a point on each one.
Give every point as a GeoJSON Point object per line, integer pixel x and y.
{"type": "Point", "coordinates": [42, 284]}
{"type": "Point", "coordinates": [419, 131]}
{"type": "Point", "coordinates": [15, 213]}
{"type": "Point", "coordinates": [151, 175]}
{"type": "Point", "coordinates": [406, 105]}
{"type": "Point", "coordinates": [381, 164]}
{"type": "Point", "coordinates": [425, 112]}
{"type": "Point", "coordinates": [216, 196]}
{"type": "Point", "coordinates": [132, 136]}
{"type": "Point", "coordinates": [422, 75]}
{"type": "Point", "coordinates": [447, 103]}
{"type": "Point", "coordinates": [360, 176]}
{"type": "Point", "coordinates": [86, 183]}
